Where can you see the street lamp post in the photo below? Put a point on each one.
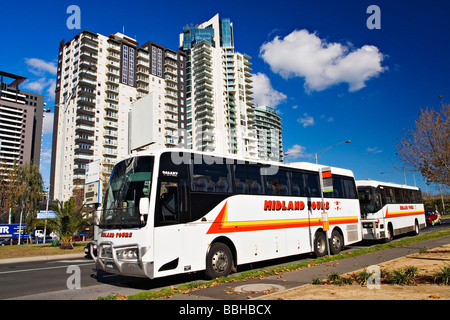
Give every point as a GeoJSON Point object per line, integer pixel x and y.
{"type": "Point", "coordinates": [316, 154]}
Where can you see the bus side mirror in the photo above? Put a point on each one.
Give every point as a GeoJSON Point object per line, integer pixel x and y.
{"type": "Point", "coordinates": [144, 205]}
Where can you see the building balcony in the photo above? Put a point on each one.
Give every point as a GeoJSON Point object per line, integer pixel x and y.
{"type": "Point", "coordinates": [85, 120]}
{"type": "Point", "coordinates": [109, 152]}
{"type": "Point", "coordinates": [80, 129]}
{"type": "Point", "coordinates": [113, 56]}
{"type": "Point", "coordinates": [112, 64]}
{"type": "Point", "coordinates": [86, 111]}
{"type": "Point", "coordinates": [110, 124]}
{"type": "Point", "coordinates": [113, 47]}
{"type": "Point", "coordinates": [172, 110]}
{"type": "Point", "coordinates": [83, 151]}
{"type": "Point", "coordinates": [112, 97]}
{"type": "Point", "coordinates": [87, 46]}
{"type": "Point", "coordinates": [112, 88]}
{"type": "Point", "coordinates": [88, 57]}
{"type": "Point", "coordinates": [84, 139]}
{"type": "Point", "coordinates": [110, 133]}
{"type": "Point", "coordinates": [110, 142]}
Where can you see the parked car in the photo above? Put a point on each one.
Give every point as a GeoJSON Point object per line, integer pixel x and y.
{"type": "Point", "coordinates": [432, 217]}
{"type": "Point", "coordinates": [7, 241]}
{"type": "Point", "coordinates": [81, 237]}
{"type": "Point", "coordinates": [48, 239]}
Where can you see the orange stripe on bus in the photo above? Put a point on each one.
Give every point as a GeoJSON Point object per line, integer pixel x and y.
{"type": "Point", "coordinates": [222, 225]}
{"type": "Point", "coordinates": [403, 214]}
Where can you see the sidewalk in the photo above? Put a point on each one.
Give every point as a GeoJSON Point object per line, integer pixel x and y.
{"type": "Point", "coordinates": [254, 288]}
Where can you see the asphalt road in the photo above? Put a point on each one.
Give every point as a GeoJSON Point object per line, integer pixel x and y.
{"type": "Point", "coordinates": [58, 279]}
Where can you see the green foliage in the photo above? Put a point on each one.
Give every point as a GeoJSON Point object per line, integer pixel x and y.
{"type": "Point", "coordinates": [443, 277]}
{"type": "Point", "coordinates": [402, 276]}
{"type": "Point", "coordinates": [21, 189]}
{"type": "Point", "coordinates": [69, 221]}
{"type": "Point", "coordinates": [363, 276]}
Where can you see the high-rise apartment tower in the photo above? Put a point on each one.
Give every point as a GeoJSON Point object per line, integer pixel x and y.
{"type": "Point", "coordinates": [21, 115]}
{"type": "Point", "coordinates": [220, 112]}
{"type": "Point", "coordinates": [98, 80]}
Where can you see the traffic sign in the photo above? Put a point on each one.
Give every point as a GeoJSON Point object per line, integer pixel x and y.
{"type": "Point", "coordinates": [43, 214]}
{"type": "Point", "coordinates": [92, 192]}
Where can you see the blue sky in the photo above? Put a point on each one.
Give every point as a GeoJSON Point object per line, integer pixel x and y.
{"type": "Point", "coordinates": [329, 76]}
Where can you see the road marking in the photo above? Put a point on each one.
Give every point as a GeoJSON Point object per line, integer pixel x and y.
{"type": "Point", "coordinates": [68, 261]}
{"type": "Point", "coordinates": [38, 269]}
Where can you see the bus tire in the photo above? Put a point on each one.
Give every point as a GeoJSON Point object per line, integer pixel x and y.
{"type": "Point", "coordinates": [389, 233]}
{"type": "Point", "coordinates": [219, 261]}
{"type": "Point", "coordinates": [320, 244]}
{"type": "Point", "coordinates": [416, 228]}
{"type": "Point", "coordinates": [336, 242]}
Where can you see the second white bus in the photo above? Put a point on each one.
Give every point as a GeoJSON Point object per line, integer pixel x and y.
{"type": "Point", "coordinates": [174, 211]}
{"type": "Point", "coordinates": [389, 209]}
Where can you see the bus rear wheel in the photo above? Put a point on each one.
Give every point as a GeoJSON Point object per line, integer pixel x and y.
{"type": "Point", "coordinates": [219, 261]}
{"type": "Point", "coordinates": [336, 242]}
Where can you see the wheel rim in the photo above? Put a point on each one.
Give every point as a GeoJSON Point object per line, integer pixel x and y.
{"type": "Point", "coordinates": [320, 242]}
{"type": "Point", "coordinates": [220, 261]}
{"type": "Point", "coordinates": [337, 243]}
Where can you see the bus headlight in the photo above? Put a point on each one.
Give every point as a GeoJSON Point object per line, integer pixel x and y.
{"type": "Point", "coordinates": [128, 254]}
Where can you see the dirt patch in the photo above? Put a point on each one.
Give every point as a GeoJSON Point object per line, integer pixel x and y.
{"type": "Point", "coordinates": [427, 263]}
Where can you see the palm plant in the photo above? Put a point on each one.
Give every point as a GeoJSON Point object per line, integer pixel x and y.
{"type": "Point", "coordinates": [69, 221]}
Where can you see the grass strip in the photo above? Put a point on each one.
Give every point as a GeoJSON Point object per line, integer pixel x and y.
{"type": "Point", "coordinates": [34, 250]}
{"type": "Point", "coordinates": [252, 274]}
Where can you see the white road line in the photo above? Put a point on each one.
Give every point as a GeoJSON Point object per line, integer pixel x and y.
{"type": "Point", "coordinates": [38, 269]}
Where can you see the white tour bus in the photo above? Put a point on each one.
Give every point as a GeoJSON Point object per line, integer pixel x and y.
{"type": "Point", "coordinates": [175, 211]}
{"type": "Point", "coordinates": [389, 209]}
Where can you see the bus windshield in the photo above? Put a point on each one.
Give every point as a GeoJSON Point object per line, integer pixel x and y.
{"type": "Point", "coordinates": [130, 181]}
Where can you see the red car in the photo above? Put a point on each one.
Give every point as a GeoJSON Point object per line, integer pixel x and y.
{"type": "Point", "coordinates": [432, 217]}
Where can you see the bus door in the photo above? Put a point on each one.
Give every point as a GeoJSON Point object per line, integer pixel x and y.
{"type": "Point", "coordinates": [171, 212]}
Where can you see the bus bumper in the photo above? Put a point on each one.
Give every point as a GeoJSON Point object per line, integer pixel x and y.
{"type": "Point", "coordinates": [124, 260]}
{"type": "Point", "coordinates": [372, 230]}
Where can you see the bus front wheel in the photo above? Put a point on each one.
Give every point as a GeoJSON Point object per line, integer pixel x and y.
{"type": "Point", "coordinates": [219, 261]}
{"type": "Point", "coordinates": [320, 244]}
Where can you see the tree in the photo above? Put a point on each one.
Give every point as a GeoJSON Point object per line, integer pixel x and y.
{"type": "Point", "coordinates": [30, 192]}
{"type": "Point", "coordinates": [426, 148]}
{"type": "Point", "coordinates": [68, 222]}
{"type": "Point", "coordinates": [21, 189]}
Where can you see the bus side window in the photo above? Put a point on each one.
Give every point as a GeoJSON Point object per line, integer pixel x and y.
{"type": "Point", "coordinates": [168, 202]}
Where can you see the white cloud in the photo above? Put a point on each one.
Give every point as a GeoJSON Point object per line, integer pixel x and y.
{"type": "Point", "coordinates": [321, 64]}
{"type": "Point", "coordinates": [263, 92]}
{"type": "Point", "coordinates": [39, 66]}
{"type": "Point", "coordinates": [374, 150]}
{"type": "Point", "coordinates": [306, 121]}
{"type": "Point", "coordinates": [46, 156]}
{"type": "Point", "coordinates": [51, 89]}
{"type": "Point", "coordinates": [45, 81]}
{"type": "Point", "coordinates": [47, 126]}
{"type": "Point", "coordinates": [297, 151]}
{"type": "Point", "coordinates": [39, 85]}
